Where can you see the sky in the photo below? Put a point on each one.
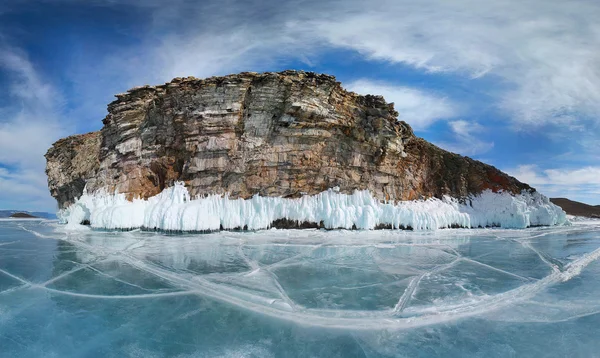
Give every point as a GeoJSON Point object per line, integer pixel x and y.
{"type": "Point", "coordinates": [513, 83]}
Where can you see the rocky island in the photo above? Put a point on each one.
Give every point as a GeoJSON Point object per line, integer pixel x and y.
{"type": "Point", "coordinates": [289, 149]}
{"type": "Point", "coordinates": [22, 216]}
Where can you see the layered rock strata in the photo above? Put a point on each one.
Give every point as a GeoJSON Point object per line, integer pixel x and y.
{"type": "Point", "coordinates": [283, 134]}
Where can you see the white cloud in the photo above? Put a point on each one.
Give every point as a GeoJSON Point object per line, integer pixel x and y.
{"type": "Point", "coordinates": [578, 176]}
{"type": "Point", "coordinates": [28, 126]}
{"type": "Point", "coordinates": [540, 55]}
{"type": "Point", "coordinates": [529, 174]}
{"type": "Point", "coordinates": [545, 52]}
{"type": "Point", "coordinates": [416, 107]}
{"type": "Point", "coordinates": [542, 52]}
{"type": "Point", "coordinates": [574, 183]}
{"type": "Point", "coordinates": [466, 139]}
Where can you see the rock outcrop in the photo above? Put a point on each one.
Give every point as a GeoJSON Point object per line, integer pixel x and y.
{"type": "Point", "coordinates": [274, 134]}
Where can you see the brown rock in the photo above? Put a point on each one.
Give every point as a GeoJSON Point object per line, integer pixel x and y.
{"type": "Point", "coordinates": [576, 208]}
{"type": "Point", "coordinates": [276, 134]}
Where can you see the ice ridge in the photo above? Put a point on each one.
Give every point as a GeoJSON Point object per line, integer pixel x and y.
{"type": "Point", "coordinates": [174, 210]}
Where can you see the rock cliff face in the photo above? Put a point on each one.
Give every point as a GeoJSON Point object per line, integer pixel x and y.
{"type": "Point", "coordinates": [274, 134]}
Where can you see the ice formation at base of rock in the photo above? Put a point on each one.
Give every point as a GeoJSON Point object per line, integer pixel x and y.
{"type": "Point", "coordinates": [173, 209]}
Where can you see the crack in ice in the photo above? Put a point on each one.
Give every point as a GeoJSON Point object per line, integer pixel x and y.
{"type": "Point", "coordinates": [404, 314]}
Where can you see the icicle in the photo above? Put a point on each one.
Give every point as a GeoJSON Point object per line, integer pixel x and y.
{"type": "Point", "coordinates": [173, 209]}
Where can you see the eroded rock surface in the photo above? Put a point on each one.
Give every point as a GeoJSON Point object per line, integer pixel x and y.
{"type": "Point", "coordinates": [274, 134]}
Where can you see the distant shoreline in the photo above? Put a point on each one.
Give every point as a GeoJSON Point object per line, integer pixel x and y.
{"type": "Point", "coordinates": [576, 208]}
{"type": "Point", "coordinates": [23, 216]}
{"type": "Point", "coordinates": [26, 214]}
{"type": "Point", "coordinates": [24, 219]}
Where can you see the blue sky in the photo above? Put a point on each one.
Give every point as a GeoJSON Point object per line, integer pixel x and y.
{"type": "Point", "coordinates": [513, 83]}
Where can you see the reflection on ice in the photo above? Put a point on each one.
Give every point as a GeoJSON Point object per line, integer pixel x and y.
{"type": "Point", "coordinates": [357, 281]}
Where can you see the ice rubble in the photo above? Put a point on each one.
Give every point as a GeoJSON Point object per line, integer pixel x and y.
{"type": "Point", "coordinates": [174, 209]}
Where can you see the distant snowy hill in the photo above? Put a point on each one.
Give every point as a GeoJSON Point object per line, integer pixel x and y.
{"type": "Point", "coordinates": [39, 214]}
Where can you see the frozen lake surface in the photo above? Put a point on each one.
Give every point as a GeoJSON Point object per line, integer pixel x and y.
{"type": "Point", "coordinates": [289, 293]}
